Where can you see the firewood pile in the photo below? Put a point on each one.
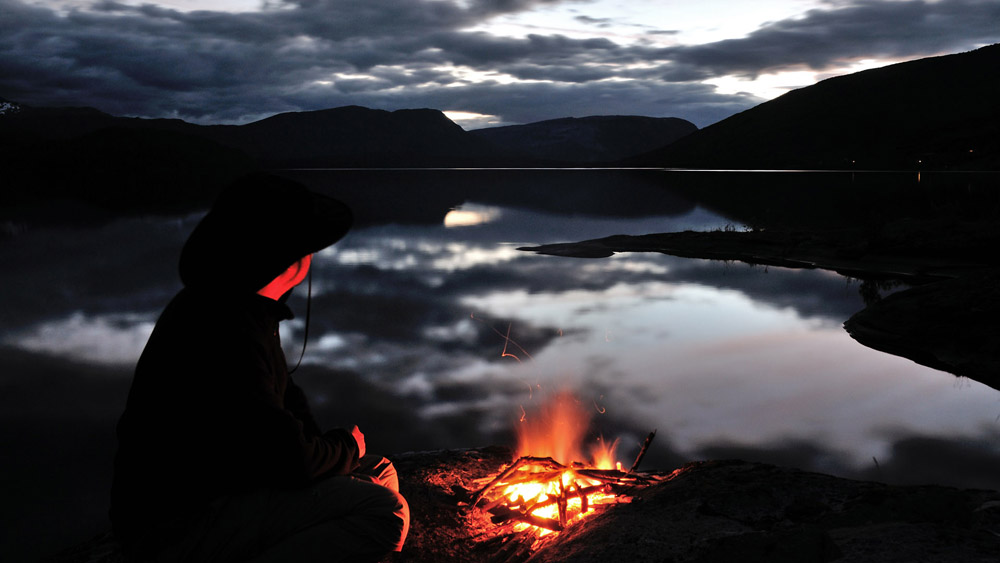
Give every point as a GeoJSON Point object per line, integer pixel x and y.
{"type": "Point", "coordinates": [564, 483]}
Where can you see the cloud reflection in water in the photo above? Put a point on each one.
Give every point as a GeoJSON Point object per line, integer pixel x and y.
{"type": "Point", "coordinates": [409, 326]}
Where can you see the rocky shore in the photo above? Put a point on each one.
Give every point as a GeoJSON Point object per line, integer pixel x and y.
{"type": "Point", "coordinates": [708, 511]}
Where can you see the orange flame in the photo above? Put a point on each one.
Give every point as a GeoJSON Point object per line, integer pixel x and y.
{"type": "Point", "coordinates": [602, 455]}
{"type": "Point", "coordinates": [558, 431]}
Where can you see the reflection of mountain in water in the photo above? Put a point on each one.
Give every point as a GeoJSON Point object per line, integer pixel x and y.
{"type": "Point", "coordinates": [949, 325]}
{"type": "Point", "coordinates": [835, 200]}
{"type": "Point", "coordinates": [426, 196]}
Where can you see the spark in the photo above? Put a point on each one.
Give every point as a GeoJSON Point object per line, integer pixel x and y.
{"type": "Point", "coordinates": [599, 408]}
{"type": "Point", "coordinates": [507, 341]}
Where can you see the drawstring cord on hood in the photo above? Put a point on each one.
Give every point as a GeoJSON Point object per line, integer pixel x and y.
{"type": "Point", "coordinates": [305, 334]}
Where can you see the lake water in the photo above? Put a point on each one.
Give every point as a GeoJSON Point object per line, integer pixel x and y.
{"type": "Point", "coordinates": [430, 329]}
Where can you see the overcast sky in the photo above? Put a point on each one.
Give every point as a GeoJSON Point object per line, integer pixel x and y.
{"type": "Point", "coordinates": [482, 61]}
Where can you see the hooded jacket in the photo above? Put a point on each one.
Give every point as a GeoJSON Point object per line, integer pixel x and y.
{"type": "Point", "coordinates": [212, 410]}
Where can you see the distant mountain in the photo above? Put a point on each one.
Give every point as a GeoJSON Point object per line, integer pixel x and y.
{"type": "Point", "coordinates": [589, 140]}
{"type": "Point", "coordinates": [355, 136]}
{"type": "Point", "coordinates": [933, 113]}
{"type": "Point", "coordinates": [346, 136]}
{"type": "Point", "coordinates": [87, 156]}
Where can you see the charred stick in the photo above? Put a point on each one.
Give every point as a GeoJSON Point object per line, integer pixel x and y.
{"type": "Point", "coordinates": [532, 504]}
{"type": "Point", "coordinates": [591, 489]}
{"type": "Point", "coordinates": [542, 461]}
{"type": "Point", "coordinates": [494, 503]}
{"type": "Point", "coordinates": [530, 476]}
{"type": "Point", "coordinates": [561, 503]}
{"type": "Point", "coordinates": [574, 486]}
{"type": "Point", "coordinates": [514, 466]}
{"type": "Point", "coordinates": [513, 551]}
{"type": "Point", "coordinates": [547, 523]}
{"type": "Point", "coordinates": [642, 452]}
{"type": "Point", "coordinates": [526, 460]}
{"type": "Point", "coordinates": [501, 497]}
{"type": "Point", "coordinates": [522, 504]}
{"type": "Point", "coordinates": [546, 462]}
{"type": "Point", "coordinates": [584, 500]}
{"type": "Point", "coordinates": [620, 479]}
{"type": "Point", "coordinates": [604, 474]}
{"type": "Point", "coordinates": [502, 514]}
{"type": "Point", "coordinates": [581, 492]}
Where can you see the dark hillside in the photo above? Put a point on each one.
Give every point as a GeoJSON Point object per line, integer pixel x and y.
{"type": "Point", "coordinates": [121, 170]}
{"type": "Point", "coordinates": [935, 113]}
{"type": "Point", "coordinates": [603, 138]}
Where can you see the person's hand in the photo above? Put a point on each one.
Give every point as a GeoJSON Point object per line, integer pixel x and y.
{"type": "Point", "coordinates": [360, 439]}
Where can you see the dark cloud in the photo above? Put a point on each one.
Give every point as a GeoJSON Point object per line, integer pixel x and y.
{"type": "Point", "coordinates": [851, 30]}
{"type": "Point", "coordinates": [128, 266]}
{"type": "Point", "coordinates": [800, 453]}
{"type": "Point", "coordinates": [209, 66]}
{"type": "Point", "coordinates": [599, 22]}
{"type": "Point", "coordinates": [965, 461]}
{"type": "Point", "coordinates": [57, 440]}
{"type": "Point", "coordinates": [959, 461]}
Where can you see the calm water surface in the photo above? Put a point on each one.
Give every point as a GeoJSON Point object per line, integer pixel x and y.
{"type": "Point", "coordinates": [431, 330]}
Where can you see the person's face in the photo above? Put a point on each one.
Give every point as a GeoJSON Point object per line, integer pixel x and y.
{"type": "Point", "coordinates": [288, 279]}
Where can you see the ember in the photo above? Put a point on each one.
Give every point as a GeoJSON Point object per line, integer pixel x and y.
{"type": "Point", "coordinates": [546, 489]}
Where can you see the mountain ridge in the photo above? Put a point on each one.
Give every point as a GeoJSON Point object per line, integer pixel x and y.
{"type": "Point", "coordinates": [592, 139]}
{"type": "Point", "coordinates": [350, 136]}
{"type": "Point", "coordinates": [931, 113]}
{"type": "Point", "coordinates": [114, 163]}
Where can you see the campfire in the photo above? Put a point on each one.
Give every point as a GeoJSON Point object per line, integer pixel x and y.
{"type": "Point", "coordinates": [548, 487]}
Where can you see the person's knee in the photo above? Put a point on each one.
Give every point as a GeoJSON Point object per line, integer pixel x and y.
{"type": "Point", "coordinates": [400, 519]}
{"type": "Point", "coordinates": [383, 512]}
{"type": "Point", "coordinates": [381, 470]}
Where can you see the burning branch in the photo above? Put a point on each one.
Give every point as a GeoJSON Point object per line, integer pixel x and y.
{"type": "Point", "coordinates": [539, 461]}
{"type": "Point", "coordinates": [642, 452]}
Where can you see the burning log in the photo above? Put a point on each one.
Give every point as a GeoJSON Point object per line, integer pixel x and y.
{"type": "Point", "coordinates": [503, 514]}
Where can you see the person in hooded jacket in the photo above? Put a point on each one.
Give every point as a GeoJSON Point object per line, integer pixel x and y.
{"type": "Point", "coordinates": [219, 457]}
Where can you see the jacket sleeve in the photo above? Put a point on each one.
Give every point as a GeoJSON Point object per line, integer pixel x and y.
{"type": "Point", "coordinates": [284, 439]}
{"type": "Point", "coordinates": [340, 439]}
{"type": "Point", "coordinates": [296, 403]}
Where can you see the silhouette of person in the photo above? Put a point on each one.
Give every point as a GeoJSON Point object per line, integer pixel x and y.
{"type": "Point", "coordinates": [219, 457]}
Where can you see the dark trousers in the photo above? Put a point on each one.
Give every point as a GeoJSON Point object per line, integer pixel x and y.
{"type": "Point", "coordinates": [358, 517]}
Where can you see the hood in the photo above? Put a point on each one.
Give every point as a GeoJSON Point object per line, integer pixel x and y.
{"type": "Point", "coordinates": [258, 227]}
